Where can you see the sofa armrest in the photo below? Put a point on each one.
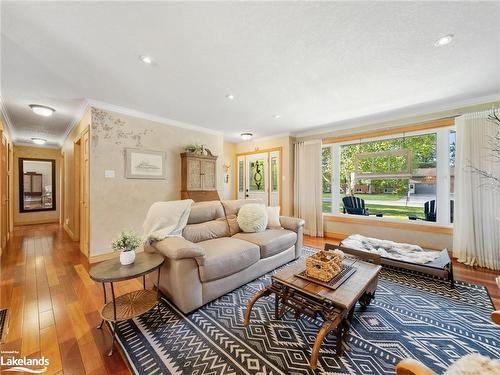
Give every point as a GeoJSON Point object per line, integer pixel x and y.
{"type": "Point", "coordinates": [291, 223]}
{"type": "Point", "coordinates": [178, 248]}
{"type": "Point", "coordinates": [413, 367]}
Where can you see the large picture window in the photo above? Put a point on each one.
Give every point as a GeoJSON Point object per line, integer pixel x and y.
{"type": "Point", "coordinates": [394, 177]}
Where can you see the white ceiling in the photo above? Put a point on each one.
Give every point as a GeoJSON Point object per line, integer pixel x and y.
{"type": "Point", "coordinates": [314, 63]}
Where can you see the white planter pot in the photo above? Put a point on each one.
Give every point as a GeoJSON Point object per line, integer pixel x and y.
{"type": "Point", "coordinates": [127, 257]}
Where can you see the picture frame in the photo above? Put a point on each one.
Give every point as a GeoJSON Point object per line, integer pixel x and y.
{"type": "Point", "coordinates": [145, 164]}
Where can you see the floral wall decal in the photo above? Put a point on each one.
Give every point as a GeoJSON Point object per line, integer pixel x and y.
{"type": "Point", "coordinates": [107, 126]}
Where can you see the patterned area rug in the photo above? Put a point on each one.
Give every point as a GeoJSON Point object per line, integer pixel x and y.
{"type": "Point", "coordinates": [411, 316]}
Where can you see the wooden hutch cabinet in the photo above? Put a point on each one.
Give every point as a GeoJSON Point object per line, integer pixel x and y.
{"type": "Point", "coordinates": [198, 177]}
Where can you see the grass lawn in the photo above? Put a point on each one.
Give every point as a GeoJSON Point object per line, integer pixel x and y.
{"type": "Point", "coordinates": [400, 212]}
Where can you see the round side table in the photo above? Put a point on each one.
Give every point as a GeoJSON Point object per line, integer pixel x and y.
{"type": "Point", "coordinates": [129, 305]}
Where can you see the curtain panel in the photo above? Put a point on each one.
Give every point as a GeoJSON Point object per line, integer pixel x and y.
{"type": "Point", "coordinates": [476, 234]}
{"type": "Point", "coordinates": [308, 188]}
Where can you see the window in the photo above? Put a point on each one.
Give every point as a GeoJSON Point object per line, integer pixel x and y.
{"type": "Point", "coordinates": [394, 177]}
{"type": "Point", "coordinates": [257, 175]}
{"type": "Point", "coordinates": [274, 173]}
{"type": "Point", "coordinates": [36, 185]}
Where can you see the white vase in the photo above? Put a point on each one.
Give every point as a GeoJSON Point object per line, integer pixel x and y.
{"type": "Point", "coordinates": [127, 257]}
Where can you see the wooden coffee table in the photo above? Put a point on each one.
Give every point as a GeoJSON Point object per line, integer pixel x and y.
{"type": "Point", "coordinates": [336, 307]}
{"type": "Point", "coordinates": [129, 305]}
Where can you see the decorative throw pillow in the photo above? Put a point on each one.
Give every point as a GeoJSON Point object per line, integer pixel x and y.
{"type": "Point", "coordinates": [474, 364]}
{"type": "Point", "coordinates": [273, 217]}
{"type": "Point", "coordinates": [252, 218]}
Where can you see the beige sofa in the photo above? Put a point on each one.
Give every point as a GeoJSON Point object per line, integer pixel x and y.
{"type": "Point", "coordinates": [214, 257]}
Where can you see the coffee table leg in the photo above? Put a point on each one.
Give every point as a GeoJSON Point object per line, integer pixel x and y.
{"type": "Point", "coordinates": [327, 327]}
{"type": "Point", "coordinates": [262, 293]}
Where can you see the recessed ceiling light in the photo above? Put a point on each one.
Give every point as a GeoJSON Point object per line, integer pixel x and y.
{"type": "Point", "coordinates": [39, 141]}
{"type": "Point", "coordinates": [277, 116]}
{"type": "Point", "coordinates": [146, 59]}
{"type": "Point", "coordinates": [230, 96]}
{"type": "Point", "coordinates": [246, 136]}
{"type": "Point", "coordinates": [42, 110]}
{"type": "Point", "coordinates": [444, 40]}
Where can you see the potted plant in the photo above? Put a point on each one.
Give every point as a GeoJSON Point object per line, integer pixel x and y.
{"type": "Point", "coordinates": [127, 242]}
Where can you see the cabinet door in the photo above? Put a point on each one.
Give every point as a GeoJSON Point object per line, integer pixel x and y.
{"type": "Point", "coordinates": [194, 174]}
{"type": "Point", "coordinates": [208, 172]}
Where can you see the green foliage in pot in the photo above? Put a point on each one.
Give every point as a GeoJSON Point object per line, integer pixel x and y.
{"type": "Point", "coordinates": [126, 241]}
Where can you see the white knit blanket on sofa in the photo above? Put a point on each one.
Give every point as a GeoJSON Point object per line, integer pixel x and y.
{"type": "Point", "coordinates": [166, 219]}
{"type": "Point", "coordinates": [390, 249]}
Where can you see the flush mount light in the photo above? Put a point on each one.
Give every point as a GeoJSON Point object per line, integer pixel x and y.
{"type": "Point", "coordinates": [146, 59]}
{"type": "Point", "coordinates": [246, 136]}
{"type": "Point", "coordinates": [42, 110]}
{"type": "Point", "coordinates": [277, 116]}
{"type": "Point", "coordinates": [39, 141]}
{"type": "Point", "coordinates": [444, 40]}
{"type": "Point", "coordinates": [230, 96]}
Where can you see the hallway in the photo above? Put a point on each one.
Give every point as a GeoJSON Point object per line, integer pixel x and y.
{"type": "Point", "coordinates": [53, 304]}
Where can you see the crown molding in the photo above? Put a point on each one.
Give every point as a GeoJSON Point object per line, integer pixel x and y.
{"type": "Point", "coordinates": [375, 120]}
{"type": "Point", "coordinates": [74, 122]}
{"type": "Point", "coordinates": [151, 117]}
{"type": "Point", "coordinates": [8, 122]}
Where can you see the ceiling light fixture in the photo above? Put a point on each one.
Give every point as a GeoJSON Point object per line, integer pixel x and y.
{"type": "Point", "coordinates": [444, 40]}
{"type": "Point", "coordinates": [39, 141]}
{"type": "Point", "coordinates": [146, 59]}
{"type": "Point", "coordinates": [230, 96]}
{"type": "Point", "coordinates": [277, 116]}
{"type": "Point", "coordinates": [42, 110]}
{"type": "Point", "coordinates": [246, 136]}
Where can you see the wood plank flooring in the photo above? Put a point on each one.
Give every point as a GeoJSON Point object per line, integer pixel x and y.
{"type": "Point", "coordinates": [53, 305]}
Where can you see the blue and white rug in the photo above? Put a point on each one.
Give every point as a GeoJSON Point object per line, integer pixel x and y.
{"type": "Point", "coordinates": [411, 316]}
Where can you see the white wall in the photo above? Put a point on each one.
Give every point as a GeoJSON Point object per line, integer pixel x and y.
{"type": "Point", "coordinates": [119, 203]}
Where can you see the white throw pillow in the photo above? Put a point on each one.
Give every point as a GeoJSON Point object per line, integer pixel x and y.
{"type": "Point", "coordinates": [252, 218]}
{"type": "Point", "coordinates": [474, 364]}
{"type": "Point", "coordinates": [273, 217]}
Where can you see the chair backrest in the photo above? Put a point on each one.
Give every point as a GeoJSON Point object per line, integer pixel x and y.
{"type": "Point", "coordinates": [430, 210]}
{"type": "Point", "coordinates": [353, 202]}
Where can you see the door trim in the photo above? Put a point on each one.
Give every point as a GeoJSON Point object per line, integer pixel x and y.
{"type": "Point", "coordinates": [263, 151]}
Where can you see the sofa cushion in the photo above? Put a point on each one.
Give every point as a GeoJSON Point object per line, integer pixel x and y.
{"type": "Point", "coordinates": [271, 241]}
{"type": "Point", "coordinates": [205, 211]}
{"type": "Point", "coordinates": [226, 256]}
{"type": "Point", "coordinates": [206, 231]}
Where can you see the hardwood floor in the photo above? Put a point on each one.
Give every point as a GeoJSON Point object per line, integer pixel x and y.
{"type": "Point", "coordinates": [53, 305]}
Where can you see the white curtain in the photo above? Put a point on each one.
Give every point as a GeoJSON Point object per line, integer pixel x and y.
{"type": "Point", "coordinates": [476, 234]}
{"type": "Point", "coordinates": [307, 184]}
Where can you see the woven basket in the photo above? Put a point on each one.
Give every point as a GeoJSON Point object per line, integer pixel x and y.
{"type": "Point", "coordinates": [324, 265]}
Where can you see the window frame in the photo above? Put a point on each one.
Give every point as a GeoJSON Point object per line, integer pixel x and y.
{"type": "Point", "coordinates": [443, 193]}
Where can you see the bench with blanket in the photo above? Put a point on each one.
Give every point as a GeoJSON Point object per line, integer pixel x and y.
{"type": "Point", "coordinates": [436, 263]}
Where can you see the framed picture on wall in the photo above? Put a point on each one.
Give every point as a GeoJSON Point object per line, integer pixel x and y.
{"type": "Point", "coordinates": [145, 164]}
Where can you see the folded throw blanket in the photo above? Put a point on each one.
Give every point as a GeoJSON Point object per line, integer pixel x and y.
{"type": "Point", "coordinates": [166, 219]}
{"type": "Point", "coordinates": [390, 249]}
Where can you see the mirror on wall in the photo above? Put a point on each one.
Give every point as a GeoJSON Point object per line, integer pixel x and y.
{"type": "Point", "coordinates": [37, 185]}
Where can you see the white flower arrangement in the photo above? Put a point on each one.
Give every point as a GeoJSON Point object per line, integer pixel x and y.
{"type": "Point", "coordinates": [126, 241]}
